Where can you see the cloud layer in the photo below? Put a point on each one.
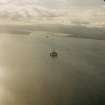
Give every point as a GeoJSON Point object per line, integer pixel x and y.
{"type": "Point", "coordinates": [35, 11]}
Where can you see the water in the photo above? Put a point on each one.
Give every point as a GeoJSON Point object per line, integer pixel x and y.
{"type": "Point", "coordinates": [29, 76]}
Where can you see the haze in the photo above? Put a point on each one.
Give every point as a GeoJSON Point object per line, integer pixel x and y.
{"type": "Point", "coordinates": [53, 12]}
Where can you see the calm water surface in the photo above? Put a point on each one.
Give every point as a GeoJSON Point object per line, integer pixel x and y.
{"type": "Point", "coordinates": [29, 76]}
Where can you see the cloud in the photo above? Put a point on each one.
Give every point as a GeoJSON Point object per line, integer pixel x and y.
{"type": "Point", "coordinates": [35, 11]}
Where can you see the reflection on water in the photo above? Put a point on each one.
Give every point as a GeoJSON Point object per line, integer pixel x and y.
{"type": "Point", "coordinates": [29, 76]}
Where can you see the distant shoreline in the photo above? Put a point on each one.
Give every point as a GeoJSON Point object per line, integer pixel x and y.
{"type": "Point", "coordinates": [58, 29]}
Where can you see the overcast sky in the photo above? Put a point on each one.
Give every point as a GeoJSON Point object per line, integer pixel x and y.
{"type": "Point", "coordinates": [86, 2]}
{"type": "Point", "coordinates": [59, 3]}
{"type": "Point", "coordinates": [61, 11]}
{"type": "Point", "coordinates": [67, 3]}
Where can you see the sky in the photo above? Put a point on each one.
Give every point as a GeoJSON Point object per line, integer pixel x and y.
{"type": "Point", "coordinates": [90, 12]}
{"type": "Point", "coordinates": [68, 3]}
{"type": "Point", "coordinates": [57, 3]}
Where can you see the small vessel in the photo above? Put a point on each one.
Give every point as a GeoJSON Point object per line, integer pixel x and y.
{"type": "Point", "coordinates": [53, 53]}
